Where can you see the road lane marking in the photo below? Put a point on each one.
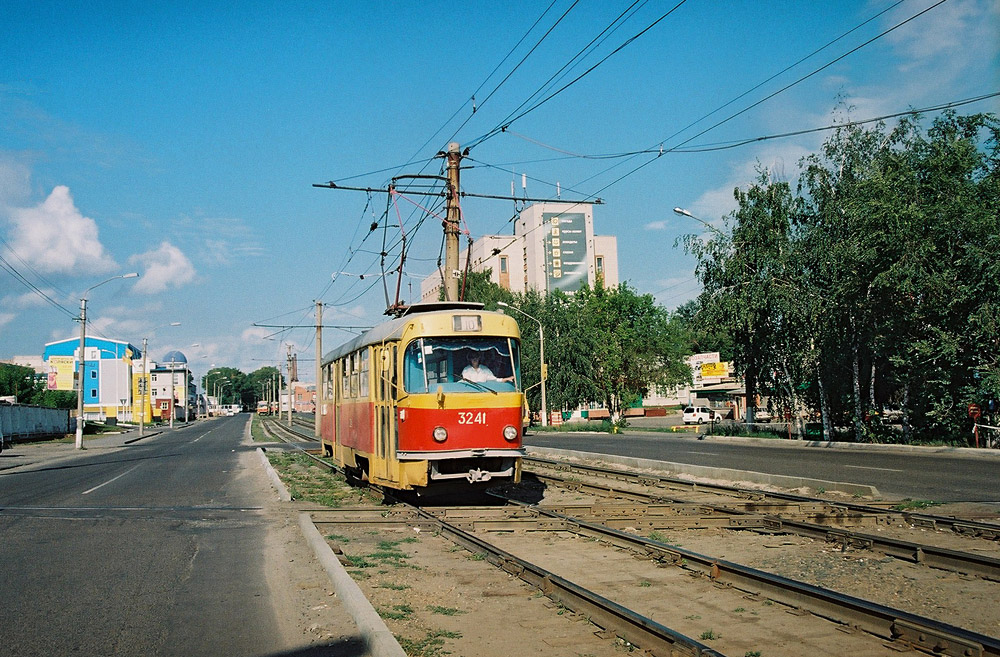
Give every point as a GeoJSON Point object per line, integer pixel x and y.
{"type": "Point", "coordinates": [865, 467]}
{"type": "Point", "coordinates": [110, 480]}
{"type": "Point", "coordinates": [705, 453]}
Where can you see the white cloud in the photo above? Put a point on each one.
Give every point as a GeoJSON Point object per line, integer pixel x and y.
{"type": "Point", "coordinates": [255, 334]}
{"type": "Point", "coordinates": [657, 225]}
{"type": "Point", "coordinates": [29, 299]}
{"type": "Point", "coordinates": [780, 160]}
{"type": "Point", "coordinates": [165, 267]}
{"type": "Point", "coordinates": [15, 181]}
{"type": "Point", "coordinates": [56, 238]}
{"type": "Point", "coordinates": [5, 318]}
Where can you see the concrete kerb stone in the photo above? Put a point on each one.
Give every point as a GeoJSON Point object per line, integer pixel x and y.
{"type": "Point", "coordinates": [707, 472]}
{"type": "Point", "coordinates": [378, 638]}
{"type": "Point", "coordinates": [929, 450]}
{"type": "Point", "coordinates": [283, 493]}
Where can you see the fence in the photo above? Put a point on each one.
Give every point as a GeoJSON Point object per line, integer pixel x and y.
{"type": "Point", "coordinates": [19, 422]}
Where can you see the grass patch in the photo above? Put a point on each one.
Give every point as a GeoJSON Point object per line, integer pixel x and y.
{"type": "Point", "coordinates": [398, 612]}
{"type": "Point", "coordinates": [307, 481]}
{"type": "Point", "coordinates": [431, 645]}
{"type": "Point", "coordinates": [708, 635]}
{"type": "Point", "coordinates": [392, 587]}
{"type": "Point", "coordinates": [444, 611]}
{"type": "Point", "coordinates": [911, 505]}
{"type": "Point", "coordinates": [338, 538]}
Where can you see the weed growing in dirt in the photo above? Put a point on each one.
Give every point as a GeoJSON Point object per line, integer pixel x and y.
{"type": "Point", "coordinates": [393, 587]}
{"type": "Point", "coordinates": [431, 645]}
{"type": "Point", "coordinates": [444, 611]}
{"type": "Point", "coordinates": [909, 505]}
{"type": "Point", "coordinates": [708, 635]}
{"type": "Point", "coordinates": [751, 653]}
{"type": "Point", "coordinates": [398, 612]}
{"type": "Point", "coordinates": [645, 584]}
{"type": "Point", "coordinates": [338, 538]}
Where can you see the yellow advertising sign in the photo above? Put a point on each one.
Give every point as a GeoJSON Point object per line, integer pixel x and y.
{"type": "Point", "coordinates": [61, 370]}
{"type": "Point", "coordinates": [714, 370]}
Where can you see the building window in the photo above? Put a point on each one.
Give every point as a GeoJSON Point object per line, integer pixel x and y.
{"type": "Point", "coordinates": [93, 374]}
{"type": "Point", "coordinates": [600, 264]}
{"type": "Point", "coordinates": [503, 264]}
{"type": "Point", "coordinates": [93, 394]}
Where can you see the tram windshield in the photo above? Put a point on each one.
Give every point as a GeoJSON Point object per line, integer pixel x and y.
{"type": "Point", "coordinates": [462, 365]}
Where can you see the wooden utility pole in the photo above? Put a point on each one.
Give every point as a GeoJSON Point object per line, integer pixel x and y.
{"type": "Point", "coordinates": [319, 367]}
{"type": "Point", "coordinates": [451, 224]}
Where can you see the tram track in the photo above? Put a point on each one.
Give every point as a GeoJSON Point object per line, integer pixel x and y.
{"type": "Point", "coordinates": [770, 513]}
{"type": "Point", "coordinates": [503, 535]}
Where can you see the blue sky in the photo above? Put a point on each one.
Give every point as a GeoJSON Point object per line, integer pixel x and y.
{"type": "Point", "coordinates": [181, 140]}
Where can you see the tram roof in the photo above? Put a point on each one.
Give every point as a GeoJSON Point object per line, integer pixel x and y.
{"type": "Point", "coordinates": [395, 326]}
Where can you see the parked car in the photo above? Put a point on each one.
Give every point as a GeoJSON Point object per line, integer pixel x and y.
{"type": "Point", "coordinates": [700, 415]}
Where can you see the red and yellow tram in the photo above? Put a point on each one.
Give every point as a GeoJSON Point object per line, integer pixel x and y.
{"type": "Point", "coordinates": [430, 398]}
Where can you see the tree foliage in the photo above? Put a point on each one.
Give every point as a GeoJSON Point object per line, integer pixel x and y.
{"type": "Point", "coordinates": [876, 285]}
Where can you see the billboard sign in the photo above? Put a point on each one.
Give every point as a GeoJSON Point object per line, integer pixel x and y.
{"type": "Point", "coordinates": [61, 370]}
{"type": "Point", "coordinates": [709, 370]}
{"type": "Point", "coordinates": [565, 250]}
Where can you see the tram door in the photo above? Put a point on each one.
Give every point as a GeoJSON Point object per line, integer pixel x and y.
{"type": "Point", "coordinates": [384, 415]}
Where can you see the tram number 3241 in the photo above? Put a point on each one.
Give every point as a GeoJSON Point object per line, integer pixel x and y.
{"type": "Point", "coordinates": [468, 417]}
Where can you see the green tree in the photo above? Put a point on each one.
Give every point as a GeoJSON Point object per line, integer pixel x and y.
{"type": "Point", "coordinates": [17, 381]}
{"type": "Point", "coordinates": [742, 270]}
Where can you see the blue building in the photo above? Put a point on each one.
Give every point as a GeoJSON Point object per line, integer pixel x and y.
{"type": "Point", "coordinates": [107, 375]}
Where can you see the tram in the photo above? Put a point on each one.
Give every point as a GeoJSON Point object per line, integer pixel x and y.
{"type": "Point", "coordinates": [428, 400]}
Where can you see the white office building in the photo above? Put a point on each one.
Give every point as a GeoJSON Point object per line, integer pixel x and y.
{"type": "Point", "coordinates": [553, 247]}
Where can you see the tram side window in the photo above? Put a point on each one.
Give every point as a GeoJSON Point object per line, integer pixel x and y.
{"type": "Point", "coordinates": [354, 374]}
{"type": "Point", "coordinates": [345, 376]}
{"type": "Point", "coordinates": [328, 378]}
{"type": "Point", "coordinates": [364, 373]}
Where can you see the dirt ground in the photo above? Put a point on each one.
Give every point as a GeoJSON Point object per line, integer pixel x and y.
{"type": "Point", "coordinates": [439, 599]}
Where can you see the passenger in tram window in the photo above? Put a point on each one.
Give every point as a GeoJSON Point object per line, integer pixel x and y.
{"type": "Point", "coordinates": [478, 373]}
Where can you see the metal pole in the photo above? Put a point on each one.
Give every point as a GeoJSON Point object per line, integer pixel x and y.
{"type": "Point", "coordinates": [82, 370]}
{"type": "Point", "coordinates": [172, 371]}
{"type": "Point", "coordinates": [451, 270]}
{"type": "Point", "coordinates": [544, 373]}
{"type": "Point", "coordinates": [144, 381]}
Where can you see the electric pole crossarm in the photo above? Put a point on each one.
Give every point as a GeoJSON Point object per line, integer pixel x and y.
{"type": "Point", "coordinates": [332, 185]}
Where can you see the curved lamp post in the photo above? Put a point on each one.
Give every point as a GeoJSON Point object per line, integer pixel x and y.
{"type": "Point", "coordinates": [83, 357]}
{"type": "Point", "coordinates": [541, 357]}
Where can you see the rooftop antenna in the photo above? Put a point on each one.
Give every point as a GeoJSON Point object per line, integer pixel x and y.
{"type": "Point", "coordinates": [558, 190]}
{"type": "Point", "coordinates": [524, 184]}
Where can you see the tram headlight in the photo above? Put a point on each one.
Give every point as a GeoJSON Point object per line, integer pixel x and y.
{"type": "Point", "coordinates": [440, 434]}
{"type": "Point", "coordinates": [509, 432]}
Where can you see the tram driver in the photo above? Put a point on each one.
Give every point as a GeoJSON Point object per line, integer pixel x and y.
{"type": "Point", "coordinates": [479, 373]}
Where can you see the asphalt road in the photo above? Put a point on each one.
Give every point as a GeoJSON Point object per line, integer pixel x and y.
{"type": "Point", "coordinates": [964, 476]}
{"type": "Point", "coordinates": [153, 549]}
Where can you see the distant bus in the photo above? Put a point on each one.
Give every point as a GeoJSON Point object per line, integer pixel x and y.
{"type": "Point", "coordinates": [262, 408]}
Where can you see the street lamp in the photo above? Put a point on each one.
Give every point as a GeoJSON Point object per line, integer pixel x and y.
{"type": "Point", "coordinates": [145, 378]}
{"type": "Point", "coordinates": [684, 213]}
{"type": "Point", "coordinates": [83, 359]}
{"type": "Point", "coordinates": [541, 357]}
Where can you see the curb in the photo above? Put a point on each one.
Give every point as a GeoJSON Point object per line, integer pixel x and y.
{"type": "Point", "coordinates": [708, 472]}
{"type": "Point", "coordinates": [283, 493]}
{"type": "Point", "coordinates": [379, 640]}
